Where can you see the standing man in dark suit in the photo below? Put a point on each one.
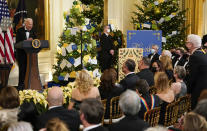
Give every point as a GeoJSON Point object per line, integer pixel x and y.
{"type": "Point", "coordinates": [145, 73]}
{"type": "Point", "coordinates": [179, 59]}
{"type": "Point", "coordinates": [197, 80]}
{"type": "Point", "coordinates": [91, 114]}
{"type": "Point", "coordinates": [130, 105]}
{"type": "Point", "coordinates": [24, 33]}
{"type": "Point", "coordinates": [56, 110]}
{"type": "Point", "coordinates": [154, 56]}
{"type": "Point", "coordinates": [107, 49]}
{"type": "Point", "coordinates": [129, 82]}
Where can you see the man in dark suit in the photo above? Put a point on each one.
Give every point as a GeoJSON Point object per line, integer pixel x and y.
{"type": "Point", "coordinates": [107, 49]}
{"type": "Point", "coordinates": [24, 33]}
{"type": "Point", "coordinates": [197, 80]}
{"type": "Point", "coordinates": [154, 56]}
{"type": "Point", "coordinates": [130, 105]}
{"type": "Point", "coordinates": [55, 102]}
{"type": "Point", "coordinates": [91, 114]}
{"type": "Point", "coordinates": [179, 59]}
{"type": "Point", "coordinates": [145, 73]}
{"type": "Point", "coordinates": [129, 82]}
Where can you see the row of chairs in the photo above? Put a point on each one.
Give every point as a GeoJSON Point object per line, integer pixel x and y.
{"type": "Point", "coordinates": [173, 111]}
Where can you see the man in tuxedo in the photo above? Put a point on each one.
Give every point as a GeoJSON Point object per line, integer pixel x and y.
{"type": "Point", "coordinates": [197, 79]}
{"type": "Point", "coordinates": [107, 49]}
{"type": "Point", "coordinates": [130, 105]}
{"type": "Point", "coordinates": [56, 109]}
{"type": "Point", "coordinates": [91, 114]}
{"type": "Point", "coordinates": [145, 73]}
{"type": "Point", "coordinates": [24, 33]}
{"type": "Point", "coordinates": [154, 56]}
{"type": "Point", "coordinates": [129, 82]}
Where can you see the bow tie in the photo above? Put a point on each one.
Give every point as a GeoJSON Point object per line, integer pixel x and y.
{"type": "Point", "coordinates": [26, 31]}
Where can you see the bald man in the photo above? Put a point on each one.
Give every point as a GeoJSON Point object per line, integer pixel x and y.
{"type": "Point", "coordinates": [56, 109]}
{"type": "Point", "coordinates": [24, 33]}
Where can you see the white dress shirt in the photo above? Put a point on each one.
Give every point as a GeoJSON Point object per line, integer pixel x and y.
{"type": "Point", "coordinates": [27, 33]}
{"type": "Point", "coordinates": [91, 127]}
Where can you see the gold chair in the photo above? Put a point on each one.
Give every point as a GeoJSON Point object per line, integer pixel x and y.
{"type": "Point", "coordinates": [152, 116]}
{"type": "Point", "coordinates": [115, 112]}
{"type": "Point", "coordinates": [171, 114]}
{"type": "Point", "coordinates": [184, 105]}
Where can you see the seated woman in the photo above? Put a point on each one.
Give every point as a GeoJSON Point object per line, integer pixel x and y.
{"type": "Point", "coordinates": [108, 89]}
{"type": "Point", "coordinates": [164, 92]}
{"type": "Point", "coordinates": [167, 66]}
{"type": "Point", "coordinates": [179, 87]}
{"type": "Point", "coordinates": [148, 101]}
{"type": "Point", "coordinates": [84, 89]}
{"type": "Point", "coordinates": [9, 102]}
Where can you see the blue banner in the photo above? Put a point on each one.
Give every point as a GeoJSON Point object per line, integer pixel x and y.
{"type": "Point", "coordinates": [144, 39]}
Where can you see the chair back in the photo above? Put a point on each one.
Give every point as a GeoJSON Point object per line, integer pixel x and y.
{"type": "Point", "coordinates": [115, 111]}
{"type": "Point", "coordinates": [152, 116]}
{"type": "Point", "coordinates": [184, 105]}
{"type": "Point", "coordinates": [104, 105]}
{"type": "Point", "coordinates": [171, 114]}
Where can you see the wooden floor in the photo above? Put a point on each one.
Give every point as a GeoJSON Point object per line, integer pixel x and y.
{"type": "Point", "coordinates": [45, 61]}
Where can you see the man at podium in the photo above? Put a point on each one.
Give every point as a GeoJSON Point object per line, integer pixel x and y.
{"type": "Point", "coordinates": [24, 33]}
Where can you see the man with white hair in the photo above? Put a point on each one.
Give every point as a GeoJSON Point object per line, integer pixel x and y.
{"type": "Point", "coordinates": [56, 110]}
{"type": "Point", "coordinates": [130, 105]}
{"type": "Point", "coordinates": [24, 33]}
{"type": "Point", "coordinates": [154, 56]}
{"type": "Point", "coordinates": [197, 80]}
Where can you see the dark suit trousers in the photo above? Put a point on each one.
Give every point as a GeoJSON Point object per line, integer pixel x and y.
{"type": "Point", "coordinates": [22, 63]}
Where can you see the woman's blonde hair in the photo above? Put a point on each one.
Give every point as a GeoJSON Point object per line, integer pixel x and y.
{"type": "Point", "coordinates": [84, 82]}
{"type": "Point", "coordinates": [194, 122]}
{"type": "Point", "coordinates": [166, 62]}
{"type": "Point", "coordinates": [161, 81]}
{"type": "Point", "coordinates": [56, 124]}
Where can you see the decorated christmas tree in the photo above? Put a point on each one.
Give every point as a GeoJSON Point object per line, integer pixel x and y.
{"type": "Point", "coordinates": [78, 32]}
{"type": "Point", "coordinates": [162, 15]}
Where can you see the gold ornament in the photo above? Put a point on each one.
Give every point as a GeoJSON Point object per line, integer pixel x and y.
{"type": "Point", "coordinates": [160, 1]}
{"type": "Point", "coordinates": [157, 10]}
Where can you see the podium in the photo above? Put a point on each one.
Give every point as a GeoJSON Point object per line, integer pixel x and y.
{"type": "Point", "coordinates": [32, 48]}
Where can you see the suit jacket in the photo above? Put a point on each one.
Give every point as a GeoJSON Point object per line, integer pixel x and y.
{"type": "Point", "coordinates": [154, 58]}
{"type": "Point", "coordinates": [147, 75]}
{"type": "Point", "coordinates": [70, 117]}
{"type": "Point", "coordinates": [100, 128]}
{"type": "Point", "coordinates": [129, 81]}
{"type": "Point", "coordinates": [181, 61]}
{"type": "Point", "coordinates": [21, 34]}
{"type": "Point", "coordinates": [129, 123]}
{"type": "Point", "coordinates": [197, 80]}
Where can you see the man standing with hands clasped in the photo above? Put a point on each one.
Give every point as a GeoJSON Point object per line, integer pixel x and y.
{"type": "Point", "coordinates": [107, 49]}
{"type": "Point", "coordinates": [24, 33]}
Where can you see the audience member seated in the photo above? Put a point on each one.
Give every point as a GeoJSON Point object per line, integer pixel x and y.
{"type": "Point", "coordinates": [9, 102]}
{"type": "Point", "coordinates": [56, 109]}
{"type": "Point", "coordinates": [28, 113]}
{"type": "Point", "coordinates": [55, 124]}
{"type": "Point", "coordinates": [194, 122]}
{"type": "Point", "coordinates": [154, 56]}
{"type": "Point", "coordinates": [145, 72]}
{"type": "Point", "coordinates": [130, 79]}
{"type": "Point", "coordinates": [157, 128]}
{"type": "Point", "coordinates": [164, 92]}
{"type": "Point", "coordinates": [167, 66]}
{"type": "Point", "coordinates": [84, 89]}
{"type": "Point", "coordinates": [20, 126]}
{"type": "Point", "coordinates": [156, 66]}
{"type": "Point", "coordinates": [179, 87]}
{"type": "Point", "coordinates": [130, 105]}
{"type": "Point", "coordinates": [148, 101]}
{"type": "Point", "coordinates": [108, 89]}
{"type": "Point", "coordinates": [91, 114]}
{"type": "Point", "coordinates": [201, 108]}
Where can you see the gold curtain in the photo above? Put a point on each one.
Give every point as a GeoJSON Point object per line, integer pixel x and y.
{"type": "Point", "coordinates": [194, 16]}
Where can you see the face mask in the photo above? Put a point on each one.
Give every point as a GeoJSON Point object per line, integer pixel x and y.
{"type": "Point", "coordinates": [152, 51]}
{"type": "Point", "coordinates": [108, 30]}
{"type": "Point", "coordinates": [154, 69]}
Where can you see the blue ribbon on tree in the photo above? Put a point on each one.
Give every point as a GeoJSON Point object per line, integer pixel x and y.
{"type": "Point", "coordinates": [98, 44]}
{"type": "Point", "coordinates": [67, 18]}
{"type": "Point", "coordinates": [85, 47]}
{"type": "Point", "coordinates": [74, 47]}
{"type": "Point", "coordinates": [61, 78]}
{"type": "Point", "coordinates": [71, 60]}
{"type": "Point", "coordinates": [94, 25]}
{"type": "Point", "coordinates": [88, 26]}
